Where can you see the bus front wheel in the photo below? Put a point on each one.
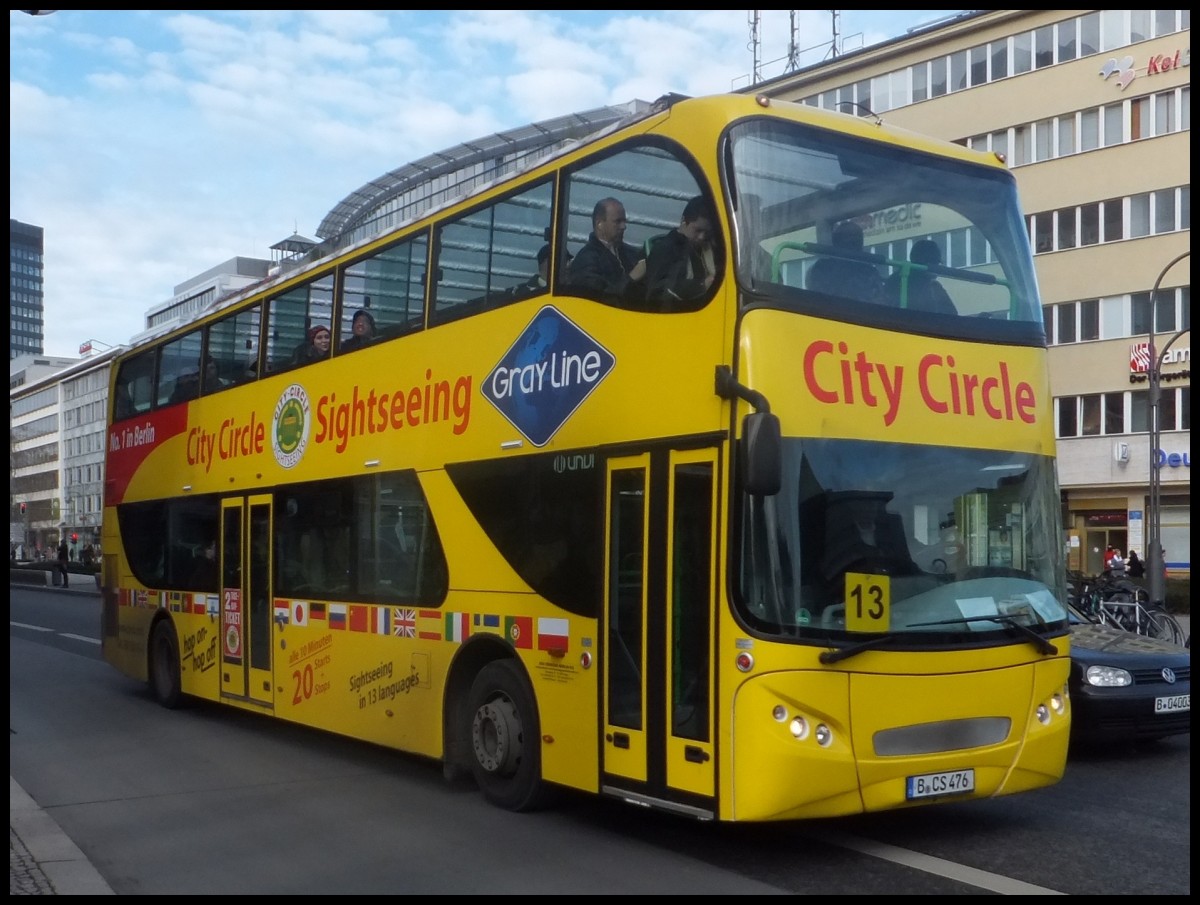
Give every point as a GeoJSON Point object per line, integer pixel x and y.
{"type": "Point", "coordinates": [505, 752]}
{"type": "Point", "coordinates": [165, 681]}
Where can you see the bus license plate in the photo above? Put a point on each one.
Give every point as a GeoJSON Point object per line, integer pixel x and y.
{"type": "Point", "coordinates": [929, 785]}
{"type": "Point", "coordinates": [1175, 704]}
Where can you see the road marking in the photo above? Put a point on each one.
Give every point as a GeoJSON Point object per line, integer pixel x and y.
{"type": "Point", "coordinates": [941, 867]}
{"type": "Point", "coordinates": [42, 628]}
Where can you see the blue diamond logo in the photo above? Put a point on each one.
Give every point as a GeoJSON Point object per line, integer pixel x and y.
{"type": "Point", "coordinates": [546, 374]}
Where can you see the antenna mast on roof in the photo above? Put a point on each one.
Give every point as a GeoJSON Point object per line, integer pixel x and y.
{"type": "Point", "coordinates": [754, 45]}
{"type": "Point", "coordinates": [836, 39]}
{"type": "Point", "coordinates": [793, 57]}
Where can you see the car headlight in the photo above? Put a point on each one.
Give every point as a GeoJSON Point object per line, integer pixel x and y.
{"type": "Point", "coordinates": [1108, 677]}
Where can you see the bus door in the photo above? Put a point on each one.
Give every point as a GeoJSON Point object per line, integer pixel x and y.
{"type": "Point", "coordinates": [659, 592]}
{"type": "Point", "coordinates": [246, 608]}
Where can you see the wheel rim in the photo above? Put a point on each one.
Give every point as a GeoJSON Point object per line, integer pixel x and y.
{"type": "Point", "coordinates": [496, 736]}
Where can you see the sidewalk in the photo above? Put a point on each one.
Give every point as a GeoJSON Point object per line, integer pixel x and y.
{"type": "Point", "coordinates": [42, 860]}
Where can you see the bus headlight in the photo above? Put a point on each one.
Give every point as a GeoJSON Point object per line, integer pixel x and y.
{"type": "Point", "coordinates": [799, 728]}
{"type": "Point", "coordinates": [824, 735]}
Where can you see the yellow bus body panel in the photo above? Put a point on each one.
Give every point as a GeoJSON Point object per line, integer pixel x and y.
{"type": "Point", "coordinates": [775, 776]}
{"type": "Point", "coordinates": [869, 384]}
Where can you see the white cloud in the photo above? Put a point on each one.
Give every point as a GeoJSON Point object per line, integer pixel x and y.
{"type": "Point", "coordinates": [152, 146]}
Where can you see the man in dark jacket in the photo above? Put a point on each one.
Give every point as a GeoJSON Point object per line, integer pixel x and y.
{"type": "Point", "coordinates": [679, 268]}
{"type": "Point", "coordinates": [606, 265]}
{"type": "Point", "coordinates": [64, 556]}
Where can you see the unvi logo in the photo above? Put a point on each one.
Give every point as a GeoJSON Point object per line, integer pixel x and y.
{"type": "Point", "coordinates": [290, 426]}
{"type": "Point", "coordinates": [546, 374]}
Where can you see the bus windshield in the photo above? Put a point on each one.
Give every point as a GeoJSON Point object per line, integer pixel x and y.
{"type": "Point", "coordinates": [958, 534]}
{"type": "Point", "coordinates": [876, 223]}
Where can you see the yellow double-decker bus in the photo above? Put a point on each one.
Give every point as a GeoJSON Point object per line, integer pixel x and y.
{"type": "Point", "coordinates": [745, 508]}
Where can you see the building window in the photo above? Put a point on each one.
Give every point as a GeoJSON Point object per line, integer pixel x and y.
{"type": "Point", "coordinates": [1089, 130]}
{"type": "Point", "coordinates": [1089, 319]}
{"type": "Point", "coordinates": [1022, 52]}
{"type": "Point", "coordinates": [1089, 34]}
{"type": "Point", "coordinates": [1066, 228]}
{"type": "Point", "coordinates": [1114, 124]}
{"type": "Point", "coordinates": [1067, 46]}
{"type": "Point", "coordinates": [1114, 220]}
{"type": "Point", "coordinates": [1114, 413]}
{"type": "Point", "coordinates": [1068, 418]}
{"type": "Point", "coordinates": [1043, 47]}
{"type": "Point", "coordinates": [958, 70]}
{"type": "Point", "coordinates": [978, 62]}
{"type": "Point", "coordinates": [1089, 224]}
{"type": "Point", "coordinates": [1067, 332]}
{"type": "Point", "coordinates": [999, 52]}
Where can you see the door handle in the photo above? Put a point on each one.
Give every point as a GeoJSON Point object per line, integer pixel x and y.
{"type": "Point", "coordinates": [619, 739]}
{"type": "Point", "coordinates": [694, 754]}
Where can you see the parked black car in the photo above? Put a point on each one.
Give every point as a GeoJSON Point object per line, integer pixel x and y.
{"type": "Point", "coordinates": [1126, 687]}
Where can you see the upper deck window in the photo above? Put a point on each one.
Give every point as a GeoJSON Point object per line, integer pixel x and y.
{"type": "Point", "coordinates": [888, 221]}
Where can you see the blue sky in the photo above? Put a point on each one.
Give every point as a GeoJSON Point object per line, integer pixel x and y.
{"type": "Point", "coordinates": [152, 146]}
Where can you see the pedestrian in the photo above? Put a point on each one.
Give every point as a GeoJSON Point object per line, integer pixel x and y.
{"type": "Point", "coordinates": [64, 555]}
{"type": "Point", "coordinates": [1135, 567]}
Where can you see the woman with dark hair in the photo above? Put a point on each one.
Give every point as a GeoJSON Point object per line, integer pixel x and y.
{"type": "Point", "coordinates": [316, 348]}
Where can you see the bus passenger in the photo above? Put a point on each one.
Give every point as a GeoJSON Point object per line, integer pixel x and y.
{"type": "Point", "coordinates": [680, 267]}
{"type": "Point", "coordinates": [123, 403]}
{"type": "Point", "coordinates": [362, 331]}
{"type": "Point", "coordinates": [204, 570]}
{"type": "Point", "coordinates": [607, 264]}
{"type": "Point", "coordinates": [846, 277]}
{"type": "Point", "coordinates": [924, 292]}
{"type": "Point", "coordinates": [187, 385]}
{"type": "Point", "coordinates": [316, 348]}
{"type": "Point", "coordinates": [212, 375]}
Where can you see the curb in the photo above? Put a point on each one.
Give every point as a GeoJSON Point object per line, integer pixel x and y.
{"type": "Point", "coordinates": [42, 858]}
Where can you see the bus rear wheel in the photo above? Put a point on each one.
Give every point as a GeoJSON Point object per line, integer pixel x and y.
{"type": "Point", "coordinates": [505, 752]}
{"type": "Point", "coordinates": [165, 682]}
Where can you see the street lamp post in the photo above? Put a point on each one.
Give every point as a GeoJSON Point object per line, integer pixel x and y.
{"type": "Point", "coordinates": [1154, 550]}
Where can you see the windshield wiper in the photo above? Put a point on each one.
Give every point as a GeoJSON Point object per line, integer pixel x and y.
{"type": "Point", "coordinates": [1043, 646]}
{"type": "Point", "coordinates": [842, 653]}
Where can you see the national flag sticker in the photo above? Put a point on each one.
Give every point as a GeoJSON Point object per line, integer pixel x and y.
{"type": "Point", "coordinates": [458, 626]}
{"type": "Point", "coordinates": [299, 612]}
{"type": "Point", "coordinates": [519, 631]}
{"type": "Point", "coordinates": [553, 634]}
{"type": "Point", "coordinates": [404, 622]}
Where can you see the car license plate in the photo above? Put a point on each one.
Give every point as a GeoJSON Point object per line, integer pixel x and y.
{"type": "Point", "coordinates": [1175, 704]}
{"type": "Point", "coordinates": [929, 785]}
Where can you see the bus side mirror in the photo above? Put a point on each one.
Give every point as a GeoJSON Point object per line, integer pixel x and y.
{"type": "Point", "coordinates": [762, 446]}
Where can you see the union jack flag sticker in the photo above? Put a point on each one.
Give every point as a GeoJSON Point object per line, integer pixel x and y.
{"type": "Point", "coordinates": [404, 623]}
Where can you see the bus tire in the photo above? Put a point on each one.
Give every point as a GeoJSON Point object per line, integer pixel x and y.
{"type": "Point", "coordinates": [165, 682]}
{"type": "Point", "coordinates": [504, 737]}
